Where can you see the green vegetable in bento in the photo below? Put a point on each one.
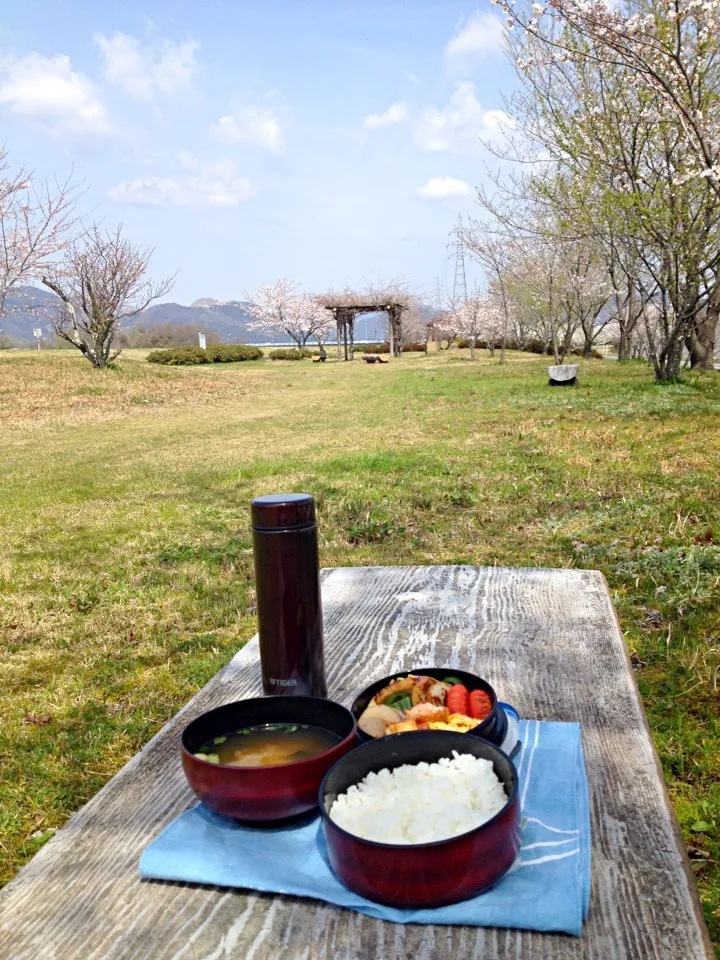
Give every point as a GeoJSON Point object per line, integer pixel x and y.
{"type": "Point", "coordinates": [396, 700]}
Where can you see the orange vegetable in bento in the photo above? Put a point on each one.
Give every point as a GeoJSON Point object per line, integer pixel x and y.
{"type": "Point", "coordinates": [458, 699]}
{"type": "Point", "coordinates": [480, 705]}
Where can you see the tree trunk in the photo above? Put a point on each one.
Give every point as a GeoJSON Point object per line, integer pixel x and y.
{"type": "Point", "coordinates": [566, 347]}
{"type": "Point", "coordinates": [627, 317]}
{"type": "Point", "coordinates": [472, 347]}
{"type": "Point", "coordinates": [587, 325]}
{"type": "Point", "coordinates": [556, 349]}
{"type": "Point", "coordinates": [395, 324]}
{"type": "Point", "coordinates": [667, 366]}
{"type": "Point", "coordinates": [713, 310]}
{"type": "Point", "coordinates": [624, 346]}
{"type": "Point", "coordinates": [700, 342]}
{"type": "Point", "coordinates": [338, 327]}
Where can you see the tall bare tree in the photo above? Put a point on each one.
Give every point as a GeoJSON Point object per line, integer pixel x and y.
{"type": "Point", "coordinates": [102, 282]}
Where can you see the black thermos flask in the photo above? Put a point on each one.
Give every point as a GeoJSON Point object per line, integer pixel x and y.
{"type": "Point", "coordinates": [287, 583]}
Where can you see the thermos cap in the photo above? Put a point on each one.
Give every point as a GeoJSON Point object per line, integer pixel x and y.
{"type": "Point", "coordinates": [283, 511]}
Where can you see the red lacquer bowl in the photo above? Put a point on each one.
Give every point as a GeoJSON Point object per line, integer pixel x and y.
{"type": "Point", "coordinates": [264, 793]}
{"type": "Point", "coordinates": [427, 874]}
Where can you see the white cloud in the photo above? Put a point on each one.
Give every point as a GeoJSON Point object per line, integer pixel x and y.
{"type": "Point", "coordinates": [461, 124]}
{"type": "Point", "coordinates": [256, 126]}
{"type": "Point", "coordinates": [438, 188]}
{"type": "Point", "coordinates": [476, 37]}
{"type": "Point", "coordinates": [217, 185]}
{"type": "Point", "coordinates": [144, 70]}
{"type": "Point", "coordinates": [394, 114]}
{"type": "Point", "coordinates": [188, 159]}
{"type": "Point", "coordinates": [47, 93]}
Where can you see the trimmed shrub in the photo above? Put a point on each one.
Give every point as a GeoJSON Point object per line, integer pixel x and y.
{"type": "Point", "coordinates": [595, 354]}
{"type": "Point", "coordinates": [216, 353]}
{"type": "Point", "coordinates": [179, 357]}
{"type": "Point", "coordinates": [537, 346]}
{"type": "Point", "coordinates": [375, 347]}
{"type": "Point", "coordinates": [414, 347]}
{"type": "Point", "coordinates": [531, 346]}
{"type": "Point", "coordinates": [289, 353]}
{"type": "Point", "coordinates": [232, 352]}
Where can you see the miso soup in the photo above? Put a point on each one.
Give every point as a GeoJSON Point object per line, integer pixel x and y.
{"type": "Point", "coordinates": [268, 744]}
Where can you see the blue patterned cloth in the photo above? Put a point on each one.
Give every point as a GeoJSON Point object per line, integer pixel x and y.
{"type": "Point", "coordinates": [547, 888]}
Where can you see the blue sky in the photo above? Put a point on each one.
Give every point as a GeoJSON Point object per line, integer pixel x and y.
{"type": "Point", "coordinates": [329, 142]}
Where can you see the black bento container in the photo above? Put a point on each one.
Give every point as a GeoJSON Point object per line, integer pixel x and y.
{"type": "Point", "coordinates": [493, 727]}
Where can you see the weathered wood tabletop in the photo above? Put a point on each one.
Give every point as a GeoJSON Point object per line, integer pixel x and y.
{"type": "Point", "coordinates": [549, 642]}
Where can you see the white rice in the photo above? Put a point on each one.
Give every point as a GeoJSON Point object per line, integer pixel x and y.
{"type": "Point", "coordinates": [421, 803]}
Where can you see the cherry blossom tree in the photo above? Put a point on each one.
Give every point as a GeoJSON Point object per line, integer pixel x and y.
{"type": "Point", "coordinates": [37, 221]}
{"type": "Point", "coordinates": [625, 164]}
{"type": "Point", "coordinates": [491, 251]}
{"type": "Point", "coordinates": [322, 334]}
{"type": "Point", "coordinates": [586, 292]}
{"type": "Point", "coordinates": [477, 317]}
{"type": "Point", "coordinates": [281, 308]}
{"type": "Point", "coordinates": [102, 281]}
{"type": "Point", "coordinates": [418, 325]}
{"type": "Point", "coordinates": [544, 284]}
{"type": "Point", "coordinates": [669, 50]}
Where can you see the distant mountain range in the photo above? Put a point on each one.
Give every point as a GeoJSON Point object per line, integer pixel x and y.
{"type": "Point", "coordinates": [25, 309]}
{"type": "Point", "coordinates": [29, 307]}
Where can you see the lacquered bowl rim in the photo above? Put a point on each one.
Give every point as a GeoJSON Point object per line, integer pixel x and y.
{"type": "Point", "coordinates": [326, 818]}
{"type": "Point", "coordinates": [294, 764]}
{"type": "Point", "coordinates": [422, 672]}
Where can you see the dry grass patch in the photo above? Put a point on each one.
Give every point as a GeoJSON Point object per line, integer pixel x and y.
{"type": "Point", "coordinates": [61, 387]}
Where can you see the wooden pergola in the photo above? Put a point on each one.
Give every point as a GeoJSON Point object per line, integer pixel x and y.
{"type": "Point", "coordinates": [347, 306]}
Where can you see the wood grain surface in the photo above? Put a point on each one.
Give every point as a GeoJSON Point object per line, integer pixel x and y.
{"type": "Point", "coordinates": [549, 642]}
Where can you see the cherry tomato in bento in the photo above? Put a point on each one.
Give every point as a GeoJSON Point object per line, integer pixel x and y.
{"type": "Point", "coordinates": [480, 704]}
{"type": "Point", "coordinates": [458, 699]}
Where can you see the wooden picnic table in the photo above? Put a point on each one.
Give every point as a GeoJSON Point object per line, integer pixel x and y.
{"type": "Point", "coordinates": [548, 640]}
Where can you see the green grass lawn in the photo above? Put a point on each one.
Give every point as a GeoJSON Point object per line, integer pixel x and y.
{"type": "Point", "coordinates": [126, 564]}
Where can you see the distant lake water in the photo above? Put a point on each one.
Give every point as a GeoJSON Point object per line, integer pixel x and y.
{"type": "Point", "coordinates": [312, 342]}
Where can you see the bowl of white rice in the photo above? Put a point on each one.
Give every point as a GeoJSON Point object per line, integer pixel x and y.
{"type": "Point", "coordinates": [421, 821]}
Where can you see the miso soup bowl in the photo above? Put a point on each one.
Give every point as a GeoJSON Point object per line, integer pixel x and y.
{"type": "Point", "coordinates": [492, 728]}
{"type": "Point", "coordinates": [272, 792]}
{"type": "Point", "coordinates": [424, 874]}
